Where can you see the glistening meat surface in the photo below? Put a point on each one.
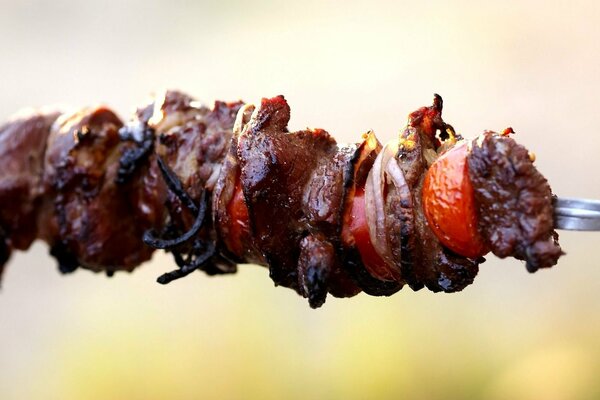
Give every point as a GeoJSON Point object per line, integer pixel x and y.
{"type": "Point", "coordinates": [22, 147]}
{"type": "Point", "coordinates": [515, 202]}
{"type": "Point", "coordinates": [229, 184]}
{"type": "Point", "coordinates": [293, 184]}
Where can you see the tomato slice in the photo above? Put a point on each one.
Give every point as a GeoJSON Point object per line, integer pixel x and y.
{"type": "Point", "coordinates": [239, 225]}
{"type": "Point", "coordinates": [359, 230]}
{"type": "Point", "coordinates": [449, 204]}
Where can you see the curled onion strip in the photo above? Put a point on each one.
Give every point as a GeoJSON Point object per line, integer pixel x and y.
{"type": "Point", "coordinates": [375, 202]}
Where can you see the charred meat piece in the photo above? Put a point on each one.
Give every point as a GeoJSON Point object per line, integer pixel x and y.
{"type": "Point", "coordinates": [22, 147]}
{"type": "Point", "coordinates": [94, 220]}
{"type": "Point", "coordinates": [280, 174]}
{"type": "Point", "coordinates": [192, 142]}
{"type": "Point", "coordinates": [275, 167]}
{"type": "Point", "coordinates": [322, 206]}
{"type": "Point", "coordinates": [315, 264]}
{"type": "Point", "coordinates": [194, 139]}
{"type": "Point", "coordinates": [515, 202]}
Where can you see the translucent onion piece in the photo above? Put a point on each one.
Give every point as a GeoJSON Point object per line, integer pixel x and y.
{"type": "Point", "coordinates": [395, 174]}
{"type": "Point", "coordinates": [375, 202]}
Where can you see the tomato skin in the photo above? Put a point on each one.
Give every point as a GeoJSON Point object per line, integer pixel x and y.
{"type": "Point", "coordinates": [239, 226]}
{"type": "Point", "coordinates": [359, 230]}
{"type": "Point", "coordinates": [449, 204]}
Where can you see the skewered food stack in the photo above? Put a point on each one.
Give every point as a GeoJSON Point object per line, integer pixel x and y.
{"type": "Point", "coordinates": [229, 184]}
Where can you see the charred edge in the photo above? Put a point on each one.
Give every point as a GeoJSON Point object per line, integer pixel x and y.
{"type": "Point", "coordinates": [363, 279]}
{"type": "Point", "coordinates": [282, 276]}
{"type": "Point", "coordinates": [202, 251]}
{"type": "Point", "coordinates": [190, 266]}
{"type": "Point", "coordinates": [133, 158]}
{"type": "Point", "coordinates": [178, 259]}
{"type": "Point", "coordinates": [161, 243]}
{"type": "Point", "coordinates": [454, 272]}
{"type": "Point", "coordinates": [445, 129]}
{"type": "Point", "coordinates": [438, 102]}
{"type": "Point", "coordinates": [227, 256]}
{"type": "Point", "coordinates": [349, 170]}
{"type": "Point", "coordinates": [176, 187]}
{"type": "Point", "coordinates": [212, 268]}
{"type": "Point", "coordinates": [67, 262]}
{"type": "Point", "coordinates": [83, 135]}
{"type": "Point", "coordinates": [316, 282]}
{"type": "Point", "coordinates": [170, 232]}
{"type": "Point", "coordinates": [315, 265]}
{"type": "Point", "coordinates": [407, 260]}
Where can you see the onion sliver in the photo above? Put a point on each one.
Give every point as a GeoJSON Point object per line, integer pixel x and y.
{"type": "Point", "coordinates": [375, 201]}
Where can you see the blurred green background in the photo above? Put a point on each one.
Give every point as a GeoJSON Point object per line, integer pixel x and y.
{"type": "Point", "coordinates": [347, 67]}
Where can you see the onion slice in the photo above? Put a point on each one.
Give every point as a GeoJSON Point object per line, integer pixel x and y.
{"type": "Point", "coordinates": [375, 197]}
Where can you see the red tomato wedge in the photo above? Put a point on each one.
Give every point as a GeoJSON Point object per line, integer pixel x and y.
{"type": "Point", "coordinates": [449, 204]}
{"type": "Point", "coordinates": [240, 221]}
{"type": "Point", "coordinates": [358, 228]}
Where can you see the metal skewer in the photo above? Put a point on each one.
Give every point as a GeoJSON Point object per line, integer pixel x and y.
{"type": "Point", "coordinates": [577, 214]}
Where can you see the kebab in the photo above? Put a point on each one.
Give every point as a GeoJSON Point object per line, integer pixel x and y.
{"type": "Point", "coordinates": [229, 184]}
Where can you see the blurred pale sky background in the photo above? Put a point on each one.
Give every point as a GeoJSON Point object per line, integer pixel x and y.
{"type": "Point", "coordinates": [347, 67]}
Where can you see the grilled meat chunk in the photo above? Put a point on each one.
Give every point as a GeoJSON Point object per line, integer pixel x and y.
{"type": "Point", "coordinates": [515, 202]}
{"type": "Point", "coordinates": [275, 168]}
{"type": "Point", "coordinates": [192, 141]}
{"type": "Point", "coordinates": [22, 146]}
{"type": "Point", "coordinates": [279, 170]}
{"type": "Point", "coordinates": [94, 221]}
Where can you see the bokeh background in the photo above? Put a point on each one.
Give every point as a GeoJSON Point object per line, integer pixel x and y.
{"type": "Point", "coordinates": [346, 66]}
